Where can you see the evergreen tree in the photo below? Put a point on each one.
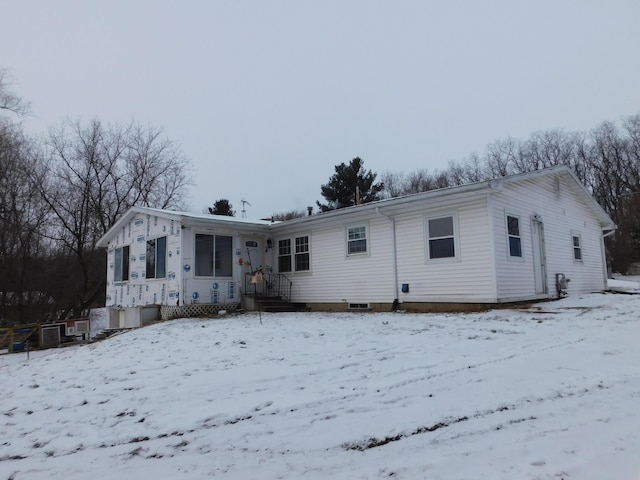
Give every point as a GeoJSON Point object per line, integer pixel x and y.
{"type": "Point", "coordinates": [350, 185]}
{"type": "Point", "coordinates": [222, 207]}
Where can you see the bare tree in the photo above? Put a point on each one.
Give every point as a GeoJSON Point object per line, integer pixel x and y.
{"type": "Point", "coordinates": [94, 174]}
{"type": "Point", "coordinates": [23, 218]}
{"type": "Point", "coordinates": [9, 101]}
{"type": "Point", "coordinates": [606, 160]}
{"type": "Point", "coordinates": [393, 184]}
{"type": "Point", "coordinates": [290, 215]}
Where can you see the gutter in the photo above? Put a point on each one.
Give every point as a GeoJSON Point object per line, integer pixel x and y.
{"type": "Point", "coordinates": [395, 255]}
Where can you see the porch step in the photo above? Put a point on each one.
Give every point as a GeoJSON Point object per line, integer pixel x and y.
{"type": "Point", "coordinates": [277, 304]}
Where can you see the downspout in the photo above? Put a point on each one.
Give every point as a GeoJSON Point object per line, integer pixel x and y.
{"type": "Point", "coordinates": [394, 258]}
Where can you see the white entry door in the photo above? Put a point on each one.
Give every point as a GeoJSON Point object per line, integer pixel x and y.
{"type": "Point", "coordinates": [539, 260]}
{"type": "Point", "coordinates": [251, 254]}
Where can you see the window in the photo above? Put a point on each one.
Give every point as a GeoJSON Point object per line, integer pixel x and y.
{"type": "Point", "coordinates": [440, 233]}
{"type": "Point", "coordinates": [204, 255]}
{"type": "Point", "coordinates": [223, 256]}
{"type": "Point", "coordinates": [214, 255]}
{"type": "Point", "coordinates": [284, 255]}
{"type": "Point", "coordinates": [302, 253]}
{"type": "Point", "coordinates": [157, 258]}
{"type": "Point", "coordinates": [121, 264]}
{"type": "Point", "coordinates": [577, 247]}
{"type": "Point", "coordinates": [513, 232]}
{"type": "Point", "coordinates": [299, 258]}
{"type": "Point", "coordinates": [356, 240]}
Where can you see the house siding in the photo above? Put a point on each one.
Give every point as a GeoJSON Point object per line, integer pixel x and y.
{"type": "Point", "coordinates": [562, 212]}
{"type": "Point", "coordinates": [338, 278]}
{"type": "Point", "coordinates": [139, 290]}
{"type": "Point", "coordinates": [334, 276]}
{"type": "Point", "coordinates": [468, 278]}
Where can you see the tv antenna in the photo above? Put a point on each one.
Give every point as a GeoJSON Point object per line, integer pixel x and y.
{"type": "Point", "coordinates": [244, 210]}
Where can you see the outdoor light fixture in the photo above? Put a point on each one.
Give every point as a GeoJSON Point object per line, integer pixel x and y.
{"type": "Point", "coordinates": [269, 243]}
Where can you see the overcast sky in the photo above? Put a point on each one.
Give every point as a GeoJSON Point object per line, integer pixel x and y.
{"type": "Point", "coordinates": [266, 97]}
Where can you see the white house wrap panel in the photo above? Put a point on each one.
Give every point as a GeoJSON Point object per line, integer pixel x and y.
{"type": "Point", "coordinates": [211, 289]}
{"type": "Point", "coordinates": [139, 290]}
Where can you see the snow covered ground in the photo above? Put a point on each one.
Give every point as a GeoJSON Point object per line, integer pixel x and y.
{"type": "Point", "coordinates": [552, 392]}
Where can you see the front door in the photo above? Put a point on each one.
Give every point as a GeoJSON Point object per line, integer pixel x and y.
{"type": "Point", "coordinates": [252, 261]}
{"type": "Point", "coordinates": [251, 255]}
{"type": "Point", "coordinates": [539, 261]}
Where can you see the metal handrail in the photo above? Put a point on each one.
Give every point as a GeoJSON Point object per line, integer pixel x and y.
{"type": "Point", "coordinates": [272, 285]}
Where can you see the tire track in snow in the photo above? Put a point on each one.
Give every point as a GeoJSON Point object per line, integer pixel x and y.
{"type": "Point", "coordinates": [374, 442]}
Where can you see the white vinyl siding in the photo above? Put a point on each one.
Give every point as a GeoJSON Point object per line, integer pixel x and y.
{"type": "Point", "coordinates": [331, 279]}
{"type": "Point", "coordinates": [560, 213]}
{"type": "Point", "coordinates": [468, 279]}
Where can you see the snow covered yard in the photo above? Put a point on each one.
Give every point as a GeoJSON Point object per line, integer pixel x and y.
{"type": "Point", "coordinates": [552, 392]}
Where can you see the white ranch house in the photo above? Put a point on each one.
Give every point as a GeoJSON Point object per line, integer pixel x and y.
{"type": "Point", "coordinates": [532, 236]}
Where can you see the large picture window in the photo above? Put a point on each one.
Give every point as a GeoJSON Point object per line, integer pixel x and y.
{"type": "Point", "coordinates": [513, 233]}
{"type": "Point", "coordinates": [214, 255]}
{"type": "Point", "coordinates": [121, 264]}
{"type": "Point", "coordinates": [296, 259]}
{"type": "Point", "coordinates": [441, 237]}
{"type": "Point", "coordinates": [157, 258]}
{"type": "Point", "coordinates": [357, 240]}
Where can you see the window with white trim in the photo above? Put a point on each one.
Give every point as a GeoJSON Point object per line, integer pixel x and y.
{"type": "Point", "coordinates": [294, 254]}
{"type": "Point", "coordinates": [302, 253]}
{"type": "Point", "coordinates": [357, 240]}
{"type": "Point", "coordinates": [576, 241]}
{"type": "Point", "coordinates": [514, 238]}
{"type": "Point", "coordinates": [214, 255]}
{"type": "Point", "coordinates": [284, 255]}
{"type": "Point", "coordinates": [441, 236]}
{"type": "Point", "coordinates": [121, 264]}
{"type": "Point", "coordinates": [157, 258]}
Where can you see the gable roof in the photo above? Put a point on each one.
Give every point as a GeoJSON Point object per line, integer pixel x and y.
{"type": "Point", "coordinates": [393, 205]}
{"type": "Point", "coordinates": [389, 205]}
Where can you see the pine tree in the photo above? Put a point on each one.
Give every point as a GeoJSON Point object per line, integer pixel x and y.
{"type": "Point", "coordinates": [222, 207]}
{"type": "Point", "coordinates": [350, 185]}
